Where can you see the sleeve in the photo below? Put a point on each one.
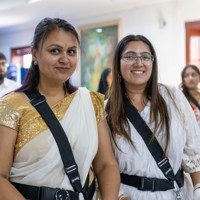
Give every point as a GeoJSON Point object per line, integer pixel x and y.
{"type": "Point", "coordinates": [8, 116]}
{"type": "Point", "coordinates": [98, 103]}
{"type": "Point", "coordinates": [191, 149]}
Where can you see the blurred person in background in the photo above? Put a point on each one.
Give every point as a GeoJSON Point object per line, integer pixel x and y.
{"type": "Point", "coordinates": [105, 81]}
{"type": "Point", "coordinates": [6, 85]}
{"type": "Point", "coordinates": [190, 80]}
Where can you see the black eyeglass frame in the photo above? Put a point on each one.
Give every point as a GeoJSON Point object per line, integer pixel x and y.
{"type": "Point", "coordinates": [123, 57]}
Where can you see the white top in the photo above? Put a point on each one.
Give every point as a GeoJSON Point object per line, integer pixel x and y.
{"type": "Point", "coordinates": [184, 148]}
{"type": "Point", "coordinates": [7, 86]}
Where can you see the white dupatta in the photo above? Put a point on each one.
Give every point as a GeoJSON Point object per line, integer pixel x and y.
{"type": "Point", "coordinates": [39, 163]}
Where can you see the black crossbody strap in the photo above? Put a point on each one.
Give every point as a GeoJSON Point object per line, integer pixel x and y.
{"type": "Point", "coordinates": [153, 146]}
{"type": "Point", "coordinates": [70, 166]}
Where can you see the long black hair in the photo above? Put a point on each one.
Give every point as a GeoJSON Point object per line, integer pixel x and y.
{"type": "Point", "coordinates": [185, 89]}
{"type": "Point", "coordinates": [42, 31]}
{"type": "Point", "coordinates": [117, 119]}
{"type": "Point", "coordinates": [103, 84]}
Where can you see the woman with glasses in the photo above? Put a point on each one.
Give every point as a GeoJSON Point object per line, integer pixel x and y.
{"type": "Point", "coordinates": [190, 81]}
{"type": "Point", "coordinates": [155, 134]}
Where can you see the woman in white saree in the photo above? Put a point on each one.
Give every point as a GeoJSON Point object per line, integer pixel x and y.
{"type": "Point", "coordinates": [32, 156]}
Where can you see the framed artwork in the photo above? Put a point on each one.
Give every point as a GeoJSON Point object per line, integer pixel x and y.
{"type": "Point", "coordinates": [98, 43]}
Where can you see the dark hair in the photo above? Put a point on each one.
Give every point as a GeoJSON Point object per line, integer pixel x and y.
{"type": "Point", "coordinates": [116, 115]}
{"type": "Point", "coordinates": [103, 84]}
{"type": "Point", "coordinates": [2, 56]}
{"type": "Point", "coordinates": [183, 86]}
{"type": "Point", "coordinates": [42, 31]}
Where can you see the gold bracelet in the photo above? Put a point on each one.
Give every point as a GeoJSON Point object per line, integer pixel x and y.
{"type": "Point", "coordinates": [196, 186]}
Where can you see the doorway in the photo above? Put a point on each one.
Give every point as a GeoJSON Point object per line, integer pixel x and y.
{"type": "Point", "coordinates": [193, 43]}
{"type": "Point", "coordinates": [20, 63]}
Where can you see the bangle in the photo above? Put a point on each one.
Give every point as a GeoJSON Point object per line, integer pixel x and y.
{"type": "Point", "coordinates": [196, 186]}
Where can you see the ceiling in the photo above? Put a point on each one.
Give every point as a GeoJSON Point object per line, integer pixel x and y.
{"type": "Point", "coordinates": [19, 14]}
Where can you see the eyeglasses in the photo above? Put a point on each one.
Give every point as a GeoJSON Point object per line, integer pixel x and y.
{"type": "Point", "coordinates": [132, 59]}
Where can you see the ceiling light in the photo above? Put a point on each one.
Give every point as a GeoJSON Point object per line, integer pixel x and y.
{"type": "Point", "coordinates": [99, 30]}
{"type": "Point", "coordinates": [32, 1]}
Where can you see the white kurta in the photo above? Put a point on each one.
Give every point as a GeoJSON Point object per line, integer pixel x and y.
{"type": "Point", "coordinates": [184, 149]}
{"type": "Point", "coordinates": [8, 86]}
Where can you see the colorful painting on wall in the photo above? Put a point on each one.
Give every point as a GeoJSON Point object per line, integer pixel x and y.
{"type": "Point", "coordinates": [97, 48]}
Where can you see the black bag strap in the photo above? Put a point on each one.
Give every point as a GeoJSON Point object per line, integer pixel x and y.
{"type": "Point", "coordinates": [153, 146]}
{"type": "Point", "coordinates": [70, 166]}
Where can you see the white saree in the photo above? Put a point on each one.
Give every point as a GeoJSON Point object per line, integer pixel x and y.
{"type": "Point", "coordinates": [39, 162]}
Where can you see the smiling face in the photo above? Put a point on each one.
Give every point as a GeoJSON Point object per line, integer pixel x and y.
{"type": "Point", "coordinates": [136, 72]}
{"type": "Point", "coordinates": [56, 57]}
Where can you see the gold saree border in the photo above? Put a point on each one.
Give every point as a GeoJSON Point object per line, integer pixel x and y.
{"type": "Point", "coordinates": [21, 116]}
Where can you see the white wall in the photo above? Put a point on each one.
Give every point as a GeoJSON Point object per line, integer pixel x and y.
{"type": "Point", "coordinates": [14, 40]}
{"type": "Point", "coordinates": [168, 40]}
{"type": "Point", "coordinates": [146, 21]}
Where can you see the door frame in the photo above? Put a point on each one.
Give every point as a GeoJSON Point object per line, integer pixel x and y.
{"type": "Point", "coordinates": [192, 29]}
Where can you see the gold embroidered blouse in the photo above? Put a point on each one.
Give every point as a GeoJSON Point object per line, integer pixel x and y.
{"type": "Point", "coordinates": [17, 113]}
